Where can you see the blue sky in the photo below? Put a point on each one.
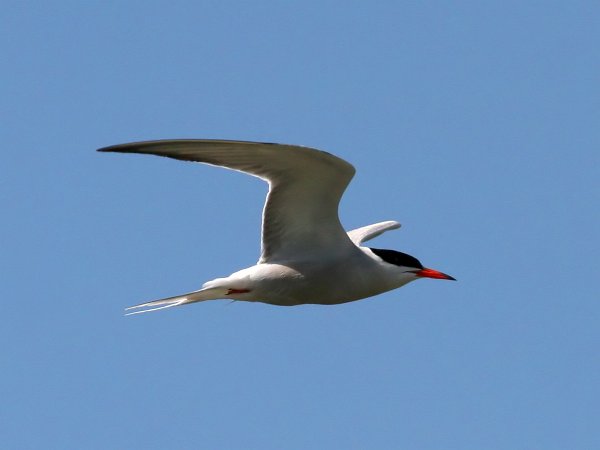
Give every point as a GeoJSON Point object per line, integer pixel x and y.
{"type": "Point", "coordinates": [474, 124]}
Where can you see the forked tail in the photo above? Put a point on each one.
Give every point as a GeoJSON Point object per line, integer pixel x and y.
{"type": "Point", "coordinates": [191, 297]}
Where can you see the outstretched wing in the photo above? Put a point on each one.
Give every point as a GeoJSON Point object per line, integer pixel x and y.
{"type": "Point", "coordinates": [300, 216]}
{"type": "Point", "coordinates": [369, 232]}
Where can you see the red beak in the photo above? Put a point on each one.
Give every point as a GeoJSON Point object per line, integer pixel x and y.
{"type": "Point", "coordinates": [430, 273]}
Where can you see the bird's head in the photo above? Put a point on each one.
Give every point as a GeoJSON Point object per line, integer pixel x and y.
{"type": "Point", "coordinates": [409, 265]}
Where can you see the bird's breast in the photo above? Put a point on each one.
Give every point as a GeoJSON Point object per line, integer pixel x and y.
{"type": "Point", "coordinates": [317, 281]}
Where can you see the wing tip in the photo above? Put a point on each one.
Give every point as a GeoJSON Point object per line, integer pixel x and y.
{"type": "Point", "coordinates": [121, 148]}
{"type": "Point", "coordinates": [134, 147]}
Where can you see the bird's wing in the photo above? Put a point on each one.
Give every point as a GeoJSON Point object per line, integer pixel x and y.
{"type": "Point", "coordinates": [369, 232]}
{"type": "Point", "coordinates": [300, 217]}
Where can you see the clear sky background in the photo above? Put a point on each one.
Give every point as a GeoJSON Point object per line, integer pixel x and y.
{"type": "Point", "coordinates": [474, 124]}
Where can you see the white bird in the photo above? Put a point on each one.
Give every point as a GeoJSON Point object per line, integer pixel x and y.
{"type": "Point", "coordinates": [306, 257]}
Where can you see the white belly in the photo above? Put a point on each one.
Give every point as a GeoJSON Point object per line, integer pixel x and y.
{"type": "Point", "coordinates": [318, 282]}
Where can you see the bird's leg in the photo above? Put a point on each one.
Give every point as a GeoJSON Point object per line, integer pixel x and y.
{"type": "Point", "coordinates": [237, 291]}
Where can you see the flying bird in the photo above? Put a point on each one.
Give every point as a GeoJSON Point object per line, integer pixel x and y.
{"type": "Point", "coordinates": [306, 255]}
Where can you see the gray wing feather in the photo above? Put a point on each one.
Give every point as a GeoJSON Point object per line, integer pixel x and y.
{"type": "Point", "coordinates": [363, 234]}
{"type": "Point", "coordinates": [305, 187]}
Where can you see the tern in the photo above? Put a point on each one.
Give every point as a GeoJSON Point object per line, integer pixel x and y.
{"type": "Point", "coordinates": [306, 255]}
